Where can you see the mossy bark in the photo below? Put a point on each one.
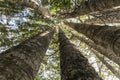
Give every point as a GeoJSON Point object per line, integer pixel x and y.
{"type": "Point", "coordinates": [105, 36]}
{"type": "Point", "coordinates": [22, 62]}
{"type": "Point", "coordinates": [74, 66]}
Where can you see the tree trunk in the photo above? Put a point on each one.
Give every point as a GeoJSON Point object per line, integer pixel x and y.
{"type": "Point", "coordinates": [100, 49]}
{"type": "Point", "coordinates": [88, 6]}
{"type": "Point", "coordinates": [107, 16]}
{"type": "Point", "coordinates": [115, 72]}
{"type": "Point", "coordinates": [74, 66]}
{"type": "Point", "coordinates": [103, 20]}
{"type": "Point", "coordinates": [34, 5]}
{"type": "Point", "coordinates": [22, 62]}
{"type": "Point", "coordinates": [105, 36]}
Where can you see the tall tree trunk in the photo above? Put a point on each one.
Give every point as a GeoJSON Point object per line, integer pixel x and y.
{"type": "Point", "coordinates": [22, 62]}
{"type": "Point", "coordinates": [100, 49]}
{"type": "Point", "coordinates": [74, 66]}
{"type": "Point", "coordinates": [105, 36]}
{"type": "Point", "coordinates": [34, 5]}
{"type": "Point", "coordinates": [88, 6]}
{"type": "Point", "coordinates": [115, 72]}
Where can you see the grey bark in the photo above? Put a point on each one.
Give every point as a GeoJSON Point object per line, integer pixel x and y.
{"type": "Point", "coordinates": [103, 51]}
{"type": "Point", "coordinates": [74, 66]}
{"type": "Point", "coordinates": [22, 62]}
{"type": "Point", "coordinates": [106, 36]}
{"type": "Point", "coordinates": [88, 6]}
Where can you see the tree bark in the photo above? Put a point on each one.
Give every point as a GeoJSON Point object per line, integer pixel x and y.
{"type": "Point", "coordinates": [22, 62]}
{"type": "Point", "coordinates": [74, 66]}
{"type": "Point", "coordinates": [100, 49]}
{"type": "Point", "coordinates": [106, 36]}
{"type": "Point", "coordinates": [115, 72]}
{"type": "Point", "coordinates": [105, 17]}
{"type": "Point", "coordinates": [102, 20]}
{"type": "Point", "coordinates": [34, 5]}
{"type": "Point", "coordinates": [88, 6]}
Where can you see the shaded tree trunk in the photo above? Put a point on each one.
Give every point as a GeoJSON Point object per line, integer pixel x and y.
{"type": "Point", "coordinates": [115, 72]}
{"type": "Point", "coordinates": [34, 5]}
{"type": "Point", "coordinates": [22, 62]}
{"type": "Point", "coordinates": [100, 49]}
{"type": "Point", "coordinates": [105, 36]}
{"type": "Point", "coordinates": [74, 66]}
{"type": "Point", "coordinates": [88, 6]}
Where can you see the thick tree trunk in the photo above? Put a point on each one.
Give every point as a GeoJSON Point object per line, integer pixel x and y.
{"type": "Point", "coordinates": [74, 66]}
{"type": "Point", "coordinates": [34, 5]}
{"type": "Point", "coordinates": [88, 6]}
{"type": "Point", "coordinates": [105, 36]}
{"type": "Point", "coordinates": [100, 49]}
{"type": "Point", "coordinates": [22, 62]}
{"type": "Point", "coordinates": [115, 72]}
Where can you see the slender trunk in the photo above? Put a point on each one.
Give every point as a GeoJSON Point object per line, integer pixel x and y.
{"type": "Point", "coordinates": [100, 49]}
{"type": "Point", "coordinates": [74, 66]}
{"type": "Point", "coordinates": [22, 62]}
{"type": "Point", "coordinates": [88, 6]}
{"type": "Point", "coordinates": [105, 36]}
{"type": "Point", "coordinates": [115, 72]}
{"type": "Point", "coordinates": [32, 4]}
